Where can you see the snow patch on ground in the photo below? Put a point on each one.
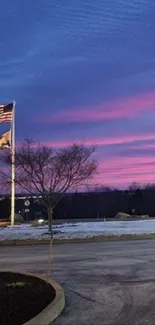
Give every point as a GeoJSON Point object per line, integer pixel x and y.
{"type": "Point", "coordinates": [79, 230]}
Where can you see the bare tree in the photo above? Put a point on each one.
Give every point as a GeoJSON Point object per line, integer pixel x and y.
{"type": "Point", "coordinates": [51, 173]}
{"type": "Point", "coordinates": [134, 186]}
{"type": "Point", "coordinates": [5, 181]}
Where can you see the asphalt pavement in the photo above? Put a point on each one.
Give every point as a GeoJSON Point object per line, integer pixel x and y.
{"type": "Point", "coordinates": [105, 283]}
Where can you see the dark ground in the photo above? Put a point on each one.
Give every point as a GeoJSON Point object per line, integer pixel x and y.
{"type": "Point", "coordinates": [22, 298]}
{"type": "Point", "coordinates": [105, 283]}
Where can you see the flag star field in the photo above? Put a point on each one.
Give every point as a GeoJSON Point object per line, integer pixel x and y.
{"type": "Point", "coordinates": [84, 71]}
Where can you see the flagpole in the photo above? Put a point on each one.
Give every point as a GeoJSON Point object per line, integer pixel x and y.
{"type": "Point", "coordinates": [13, 165]}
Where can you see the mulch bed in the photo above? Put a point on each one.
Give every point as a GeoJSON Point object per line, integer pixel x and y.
{"type": "Point", "coordinates": [22, 297]}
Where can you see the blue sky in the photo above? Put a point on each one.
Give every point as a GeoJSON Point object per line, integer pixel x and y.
{"type": "Point", "coordinates": [84, 71]}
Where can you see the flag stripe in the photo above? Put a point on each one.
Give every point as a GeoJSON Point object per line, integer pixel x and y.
{"type": "Point", "coordinates": [5, 120]}
{"type": "Point", "coordinates": [6, 114]}
{"type": "Point", "coordinates": [6, 117]}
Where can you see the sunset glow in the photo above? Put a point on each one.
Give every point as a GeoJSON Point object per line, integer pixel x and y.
{"type": "Point", "coordinates": [84, 73]}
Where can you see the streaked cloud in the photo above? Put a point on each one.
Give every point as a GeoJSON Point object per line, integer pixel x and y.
{"type": "Point", "coordinates": [123, 139]}
{"type": "Point", "coordinates": [124, 170]}
{"type": "Point", "coordinates": [115, 109]}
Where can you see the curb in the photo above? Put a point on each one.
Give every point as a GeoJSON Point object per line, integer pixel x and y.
{"type": "Point", "coordinates": [54, 309]}
{"type": "Point", "coordinates": [30, 242]}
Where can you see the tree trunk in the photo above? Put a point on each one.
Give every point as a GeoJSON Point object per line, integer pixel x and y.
{"type": "Point", "coordinates": [50, 215]}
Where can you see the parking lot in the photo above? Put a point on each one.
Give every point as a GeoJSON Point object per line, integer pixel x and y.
{"type": "Point", "coordinates": [105, 283]}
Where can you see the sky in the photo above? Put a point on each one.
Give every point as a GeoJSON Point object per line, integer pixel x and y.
{"type": "Point", "coordinates": [84, 71]}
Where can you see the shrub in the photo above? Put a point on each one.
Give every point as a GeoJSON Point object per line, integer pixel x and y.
{"type": "Point", "coordinates": [122, 216]}
{"type": "Point", "coordinates": [18, 218]}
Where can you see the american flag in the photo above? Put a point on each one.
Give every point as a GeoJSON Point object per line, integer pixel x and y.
{"type": "Point", "coordinates": [6, 112]}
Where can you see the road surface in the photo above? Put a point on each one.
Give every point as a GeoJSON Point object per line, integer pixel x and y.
{"type": "Point", "coordinates": [105, 283]}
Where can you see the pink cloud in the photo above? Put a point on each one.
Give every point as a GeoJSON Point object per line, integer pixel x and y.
{"type": "Point", "coordinates": [125, 107]}
{"type": "Point", "coordinates": [120, 171]}
{"type": "Point", "coordinates": [146, 146]}
{"type": "Point", "coordinates": [121, 139]}
{"type": "Point", "coordinates": [123, 182]}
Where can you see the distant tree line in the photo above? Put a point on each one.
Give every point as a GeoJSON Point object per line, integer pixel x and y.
{"type": "Point", "coordinates": [92, 204]}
